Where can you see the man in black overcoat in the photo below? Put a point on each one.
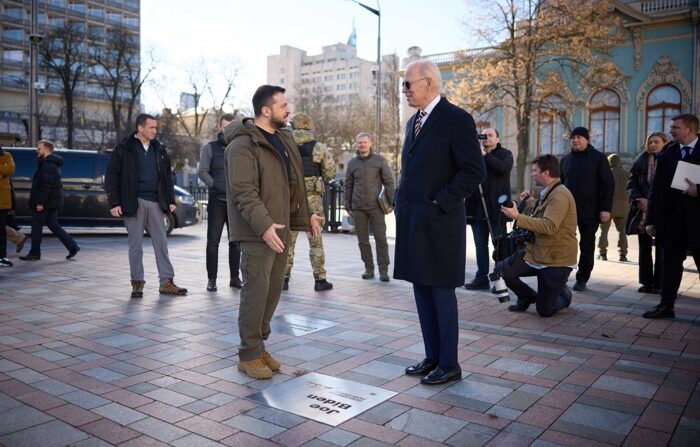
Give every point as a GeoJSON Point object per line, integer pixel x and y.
{"type": "Point", "coordinates": [441, 165]}
{"type": "Point", "coordinates": [673, 215]}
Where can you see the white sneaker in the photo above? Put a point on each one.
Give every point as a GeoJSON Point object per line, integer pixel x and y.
{"type": "Point", "coordinates": [4, 262]}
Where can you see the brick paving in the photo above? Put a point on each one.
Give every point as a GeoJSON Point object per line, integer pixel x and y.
{"type": "Point", "coordinates": [83, 365]}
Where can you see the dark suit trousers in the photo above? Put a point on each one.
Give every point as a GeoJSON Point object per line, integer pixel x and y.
{"type": "Point", "coordinates": [48, 217]}
{"type": "Point", "coordinates": [650, 270]}
{"type": "Point", "coordinates": [437, 312]}
{"type": "Point", "coordinates": [586, 246]}
{"type": "Point", "coordinates": [551, 281]}
{"type": "Point", "coordinates": [675, 252]}
{"type": "Point", "coordinates": [216, 218]}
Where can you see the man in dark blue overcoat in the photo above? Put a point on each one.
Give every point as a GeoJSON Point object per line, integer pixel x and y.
{"type": "Point", "coordinates": [441, 165]}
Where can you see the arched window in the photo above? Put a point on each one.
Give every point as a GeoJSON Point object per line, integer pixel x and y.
{"type": "Point", "coordinates": [551, 132]}
{"type": "Point", "coordinates": [663, 103]}
{"type": "Point", "coordinates": [604, 121]}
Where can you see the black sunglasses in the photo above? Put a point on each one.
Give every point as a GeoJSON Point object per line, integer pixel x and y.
{"type": "Point", "coordinates": [407, 84]}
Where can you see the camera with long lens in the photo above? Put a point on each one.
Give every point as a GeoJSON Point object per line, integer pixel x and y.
{"type": "Point", "coordinates": [499, 286]}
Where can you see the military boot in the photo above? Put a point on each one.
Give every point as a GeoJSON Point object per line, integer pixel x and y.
{"type": "Point", "coordinates": [321, 285]}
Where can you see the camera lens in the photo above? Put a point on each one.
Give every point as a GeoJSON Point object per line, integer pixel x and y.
{"type": "Point", "coordinates": [501, 290]}
{"type": "Point", "coordinates": [504, 200]}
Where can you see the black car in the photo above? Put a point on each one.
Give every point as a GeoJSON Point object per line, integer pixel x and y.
{"type": "Point", "coordinates": [85, 199]}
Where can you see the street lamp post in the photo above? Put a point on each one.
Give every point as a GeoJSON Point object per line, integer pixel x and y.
{"type": "Point", "coordinates": [378, 113]}
{"type": "Point", "coordinates": [34, 41]}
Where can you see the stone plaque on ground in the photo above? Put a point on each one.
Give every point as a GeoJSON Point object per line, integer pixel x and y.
{"type": "Point", "coordinates": [297, 325]}
{"type": "Point", "coordinates": [324, 399]}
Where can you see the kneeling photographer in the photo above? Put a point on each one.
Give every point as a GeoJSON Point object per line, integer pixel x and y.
{"type": "Point", "coordinates": [552, 254]}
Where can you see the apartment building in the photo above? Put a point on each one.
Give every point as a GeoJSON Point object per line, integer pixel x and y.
{"type": "Point", "coordinates": [93, 19]}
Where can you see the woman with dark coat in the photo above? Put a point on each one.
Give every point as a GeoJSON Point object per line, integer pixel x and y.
{"type": "Point", "coordinates": [638, 186]}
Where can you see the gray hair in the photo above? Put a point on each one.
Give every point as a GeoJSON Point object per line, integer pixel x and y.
{"type": "Point", "coordinates": [362, 135]}
{"type": "Point", "coordinates": [427, 68]}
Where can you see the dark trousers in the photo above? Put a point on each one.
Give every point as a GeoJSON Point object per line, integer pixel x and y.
{"type": "Point", "coordinates": [48, 217]}
{"type": "Point", "coordinates": [3, 235]}
{"type": "Point", "coordinates": [675, 251]}
{"type": "Point", "coordinates": [549, 298]}
{"type": "Point", "coordinates": [217, 216]}
{"type": "Point", "coordinates": [480, 231]}
{"type": "Point", "coordinates": [437, 312]}
{"type": "Point", "coordinates": [650, 271]}
{"type": "Point", "coordinates": [586, 245]}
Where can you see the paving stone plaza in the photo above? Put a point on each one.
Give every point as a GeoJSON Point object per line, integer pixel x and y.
{"type": "Point", "coordinates": [83, 365]}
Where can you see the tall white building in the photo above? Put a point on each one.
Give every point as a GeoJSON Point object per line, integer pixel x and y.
{"type": "Point", "coordinates": [336, 72]}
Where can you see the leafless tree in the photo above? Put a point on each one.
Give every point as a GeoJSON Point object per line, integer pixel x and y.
{"type": "Point", "coordinates": [64, 56]}
{"type": "Point", "coordinates": [118, 69]}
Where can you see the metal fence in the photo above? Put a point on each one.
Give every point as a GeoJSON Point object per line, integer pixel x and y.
{"type": "Point", "coordinates": [332, 203]}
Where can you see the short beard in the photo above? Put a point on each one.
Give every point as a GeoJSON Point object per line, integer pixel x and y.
{"type": "Point", "coordinates": [278, 124]}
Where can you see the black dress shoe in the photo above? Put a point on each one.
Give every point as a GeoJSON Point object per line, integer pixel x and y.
{"type": "Point", "coordinates": [602, 257]}
{"type": "Point", "coordinates": [580, 286]}
{"type": "Point", "coordinates": [519, 306]}
{"type": "Point", "coordinates": [439, 375]}
{"type": "Point", "coordinates": [477, 285]}
{"type": "Point", "coordinates": [649, 289]}
{"type": "Point", "coordinates": [30, 257]}
{"type": "Point", "coordinates": [623, 258]}
{"type": "Point", "coordinates": [73, 252]}
{"type": "Point", "coordinates": [211, 285]}
{"type": "Point", "coordinates": [660, 311]}
{"type": "Point", "coordinates": [235, 283]}
{"type": "Point", "coordinates": [422, 368]}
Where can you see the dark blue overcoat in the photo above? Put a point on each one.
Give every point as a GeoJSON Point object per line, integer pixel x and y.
{"type": "Point", "coordinates": [441, 168]}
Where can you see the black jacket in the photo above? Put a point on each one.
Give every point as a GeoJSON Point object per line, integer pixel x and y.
{"type": "Point", "coordinates": [122, 176]}
{"type": "Point", "coordinates": [670, 211]}
{"type": "Point", "coordinates": [638, 183]}
{"type": "Point", "coordinates": [588, 176]}
{"type": "Point", "coordinates": [47, 188]}
{"type": "Point", "coordinates": [499, 163]}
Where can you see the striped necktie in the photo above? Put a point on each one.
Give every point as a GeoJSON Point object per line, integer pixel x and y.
{"type": "Point", "coordinates": [418, 122]}
{"type": "Point", "coordinates": [685, 151]}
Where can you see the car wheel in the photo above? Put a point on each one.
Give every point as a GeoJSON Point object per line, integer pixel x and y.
{"type": "Point", "coordinates": [169, 222]}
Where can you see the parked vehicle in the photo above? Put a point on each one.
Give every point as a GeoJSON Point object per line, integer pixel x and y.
{"type": "Point", "coordinates": [85, 200]}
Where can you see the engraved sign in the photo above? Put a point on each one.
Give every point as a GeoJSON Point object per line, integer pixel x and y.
{"type": "Point", "coordinates": [297, 325]}
{"type": "Point", "coordinates": [324, 399]}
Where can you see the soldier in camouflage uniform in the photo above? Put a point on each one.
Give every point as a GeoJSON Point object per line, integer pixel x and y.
{"type": "Point", "coordinates": [318, 165]}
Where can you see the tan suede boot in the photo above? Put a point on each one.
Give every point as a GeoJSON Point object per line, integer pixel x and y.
{"type": "Point", "coordinates": [137, 288]}
{"type": "Point", "coordinates": [255, 369]}
{"type": "Point", "coordinates": [169, 288]}
{"type": "Point", "coordinates": [270, 361]}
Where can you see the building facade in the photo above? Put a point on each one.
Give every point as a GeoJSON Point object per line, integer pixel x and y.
{"type": "Point", "coordinates": [93, 19]}
{"type": "Point", "coordinates": [336, 72]}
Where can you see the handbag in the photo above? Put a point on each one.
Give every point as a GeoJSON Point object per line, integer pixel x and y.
{"type": "Point", "coordinates": [634, 219]}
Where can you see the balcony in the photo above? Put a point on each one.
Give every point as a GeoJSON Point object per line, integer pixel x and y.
{"type": "Point", "coordinates": [661, 7]}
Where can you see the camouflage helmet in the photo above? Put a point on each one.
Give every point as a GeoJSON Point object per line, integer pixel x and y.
{"type": "Point", "coordinates": [301, 121]}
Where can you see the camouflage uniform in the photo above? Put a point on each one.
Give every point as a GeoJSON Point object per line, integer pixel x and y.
{"type": "Point", "coordinates": [321, 157]}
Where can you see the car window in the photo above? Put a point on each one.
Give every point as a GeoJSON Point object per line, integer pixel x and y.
{"type": "Point", "coordinates": [25, 164]}
{"type": "Point", "coordinates": [77, 167]}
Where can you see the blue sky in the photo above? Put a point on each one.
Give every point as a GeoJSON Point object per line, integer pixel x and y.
{"type": "Point", "coordinates": [186, 33]}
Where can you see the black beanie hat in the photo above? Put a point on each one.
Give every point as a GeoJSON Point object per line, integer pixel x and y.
{"type": "Point", "coordinates": [581, 131]}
